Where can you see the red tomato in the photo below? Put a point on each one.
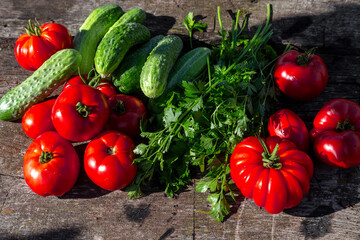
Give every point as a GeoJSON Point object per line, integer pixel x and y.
{"type": "Point", "coordinates": [37, 119]}
{"type": "Point", "coordinates": [33, 48]}
{"type": "Point", "coordinates": [336, 133]}
{"type": "Point", "coordinates": [51, 165]}
{"type": "Point", "coordinates": [108, 160]}
{"type": "Point", "coordinates": [104, 85]}
{"type": "Point", "coordinates": [126, 113]}
{"type": "Point", "coordinates": [276, 179]}
{"type": "Point", "coordinates": [286, 124]}
{"type": "Point", "coordinates": [80, 113]}
{"type": "Point", "coordinates": [300, 76]}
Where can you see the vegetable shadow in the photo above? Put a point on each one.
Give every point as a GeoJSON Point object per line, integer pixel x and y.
{"type": "Point", "coordinates": [62, 233]}
{"type": "Point", "coordinates": [159, 24]}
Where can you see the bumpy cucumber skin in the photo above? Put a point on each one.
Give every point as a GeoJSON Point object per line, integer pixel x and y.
{"type": "Point", "coordinates": [92, 31]}
{"type": "Point", "coordinates": [52, 73]}
{"type": "Point", "coordinates": [135, 15]}
{"type": "Point", "coordinates": [188, 66]}
{"type": "Point", "coordinates": [116, 43]}
{"type": "Point", "coordinates": [154, 74]}
{"type": "Point", "coordinates": [127, 76]}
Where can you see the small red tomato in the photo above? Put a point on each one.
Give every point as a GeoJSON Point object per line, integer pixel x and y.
{"type": "Point", "coordinates": [336, 133]}
{"type": "Point", "coordinates": [276, 174]}
{"type": "Point", "coordinates": [51, 165]}
{"type": "Point", "coordinates": [37, 119]}
{"type": "Point", "coordinates": [287, 125]}
{"type": "Point", "coordinates": [104, 85]}
{"type": "Point", "coordinates": [300, 76]}
{"type": "Point", "coordinates": [126, 114]}
{"type": "Point", "coordinates": [33, 48]}
{"type": "Point", "coordinates": [80, 113]}
{"type": "Point", "coordinates": [108, 160]}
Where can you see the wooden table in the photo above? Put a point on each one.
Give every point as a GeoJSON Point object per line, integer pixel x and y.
{"type": "Point", "coordinates": [331, 210]}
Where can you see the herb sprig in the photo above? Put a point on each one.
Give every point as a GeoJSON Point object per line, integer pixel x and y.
{"type": "Point", "coordinates": [191, 25]}
{"type": "Point", "coordinates": [201, 122]}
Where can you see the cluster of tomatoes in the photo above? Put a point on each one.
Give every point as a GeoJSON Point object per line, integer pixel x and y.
{"type": "Point", "coordinates": [276, 172]}
{"type": "Point", "coordinates": [88, 109]}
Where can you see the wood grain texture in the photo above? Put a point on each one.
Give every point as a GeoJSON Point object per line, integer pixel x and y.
{"type": "Point", "coordinates": [329, 211]}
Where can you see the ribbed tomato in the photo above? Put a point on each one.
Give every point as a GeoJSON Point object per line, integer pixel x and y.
{"type": "Point", "coordinates": [276, 174]}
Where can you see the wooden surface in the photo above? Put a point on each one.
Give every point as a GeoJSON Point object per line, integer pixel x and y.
{"type": "Point", "coordinates": [331, 210]}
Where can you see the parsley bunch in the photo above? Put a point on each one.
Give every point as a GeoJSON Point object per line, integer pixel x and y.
{"type": "Point", "coordinates": [199, 123]}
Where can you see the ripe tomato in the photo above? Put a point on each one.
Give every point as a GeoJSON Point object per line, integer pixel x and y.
{"type": "Point", "coordinates": [336, 133]}
{"type": "Point", "coordinates": [80, 113]}
{"type": "Point", "coordinates": [37, 119]}
{"type": "Point", "coordinates": [108, 160]}
{"type": "Point", "coordinates": [104, 85]}
{"type": "Point", "coordinates": [286, 124]}
{"type": "Point", "coordinates": [276, 175]}
{"type": "Point", "coordinates": [300, 76]}
{"type": "Point", "coordinates": [33, 48]}
{"type": "Point", "coordinates": [51, 165]}
{"type": "Point", "coordinates": [126, 114]}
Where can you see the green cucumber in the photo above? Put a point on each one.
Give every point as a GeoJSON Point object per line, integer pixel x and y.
{"type": "Point", "coordinates": [92, 31]}
{"type": "Point", "coordinates": [155, 72]}
{"type": "Point", "coordinates": [135, 15]}
{"type": "Point", "coordinates": [52, 73]}
{"type": "Point", "coordinates": [127, 76]}
{"type": "Point", "coordinates": [116, 43]}
{"type": "Point", "coordinates": [188, 67]}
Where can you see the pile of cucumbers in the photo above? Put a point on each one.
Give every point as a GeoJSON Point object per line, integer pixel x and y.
{"type": "Point", "coordinates": [119, 47]}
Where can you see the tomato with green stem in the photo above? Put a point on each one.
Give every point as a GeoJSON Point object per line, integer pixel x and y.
{"type": "Point", "coordinates": [276, 174]}
{"type": "Point", "coordinates": [336, 133]}
{"type": "Point", "coordinates": [33, 48]}
{"type": "Point", "coordinates": [51, 165]}
{"type": "Point", "coordinates": [301, 76]}
{"type": "Point", "coordinates": [108, 160]}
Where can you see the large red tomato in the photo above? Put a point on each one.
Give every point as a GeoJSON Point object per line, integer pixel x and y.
{"type": "Point", "coordinates": [336, 133]}
{"type": "Point", "coordinates": [33, 48]}
{"type": "Point", "coordinates": [108, 160]}
{"type": "Point", "coordinates": [80, 113]}
{"type": "Point", "coordinates": [51, 165]}
{"type": "Point", "coordinates": [276, 176]}
{"type": "Point", "coordinates": [126, 114]}
{"type": "Point", "coordinates": [37, 119]}
{"type": "Point", "coordinates": [300, 76]}
{"type": "Point", "coordinates": [104, 85]}
{"type": "Point", "coordinates": [286, 124]}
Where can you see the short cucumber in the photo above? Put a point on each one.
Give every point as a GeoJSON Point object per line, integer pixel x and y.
{"type": "Point", "coordinates": [134, 15]}
{"type": "Point", "coordinates": [127, 76]}
{"type": "Point", "coordinates": [116, 43]}
{"type": "Point", "coordinates": [52, 73]}
{"type": "Point", "coordinates": [92, 31]}
{"type": "Point", "coordinates": [155, 72]}
{"type": "Point", "coordinates": [188, 66]}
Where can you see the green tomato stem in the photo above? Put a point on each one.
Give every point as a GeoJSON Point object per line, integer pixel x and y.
{"type": "Point", "coordinates": [45, 157]}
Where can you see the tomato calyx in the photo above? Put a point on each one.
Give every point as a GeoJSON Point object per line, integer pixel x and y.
{"type": "Point", "coordinates": [303, 59]}
{"type": "Point", "coordinates": [270, 160]}
{"type": "Point", "coordinates": [32, 29]}
{"type": "Point", "coordinates": [119, 107]}
{"type": "Point", "coordinates": [344, 126]}
{"type": "Point", "coordinates": [83, 109]}
{"type": "Point", "coordinates": [45, 157]}
{"type": "Point", "coordinates": [111, 151]}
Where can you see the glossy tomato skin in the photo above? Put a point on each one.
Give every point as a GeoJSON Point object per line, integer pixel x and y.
{"type": "Point", "coordinates": [59, 174]}
{"type": "Point", "coordinates": [104, 86]}
{"type": "Point", "coordinates": [32, 51]}
{"type": "Point", "coordinates": [273, 189]}
{"type": "Point", "coordinates": [37, 119]}
{"type": "Point", "coordinates": [288, 125]}
{"type": "Point", "coordinates": [126, 114]}
{"type": "Point", "coordinates": [108, 160]}
{"type": "Point", "coordinates": [300, 82]}
{"type": "Point", "coordinates": [336, 133]}
{"type": "Point", "coordinates": [81, 124]}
